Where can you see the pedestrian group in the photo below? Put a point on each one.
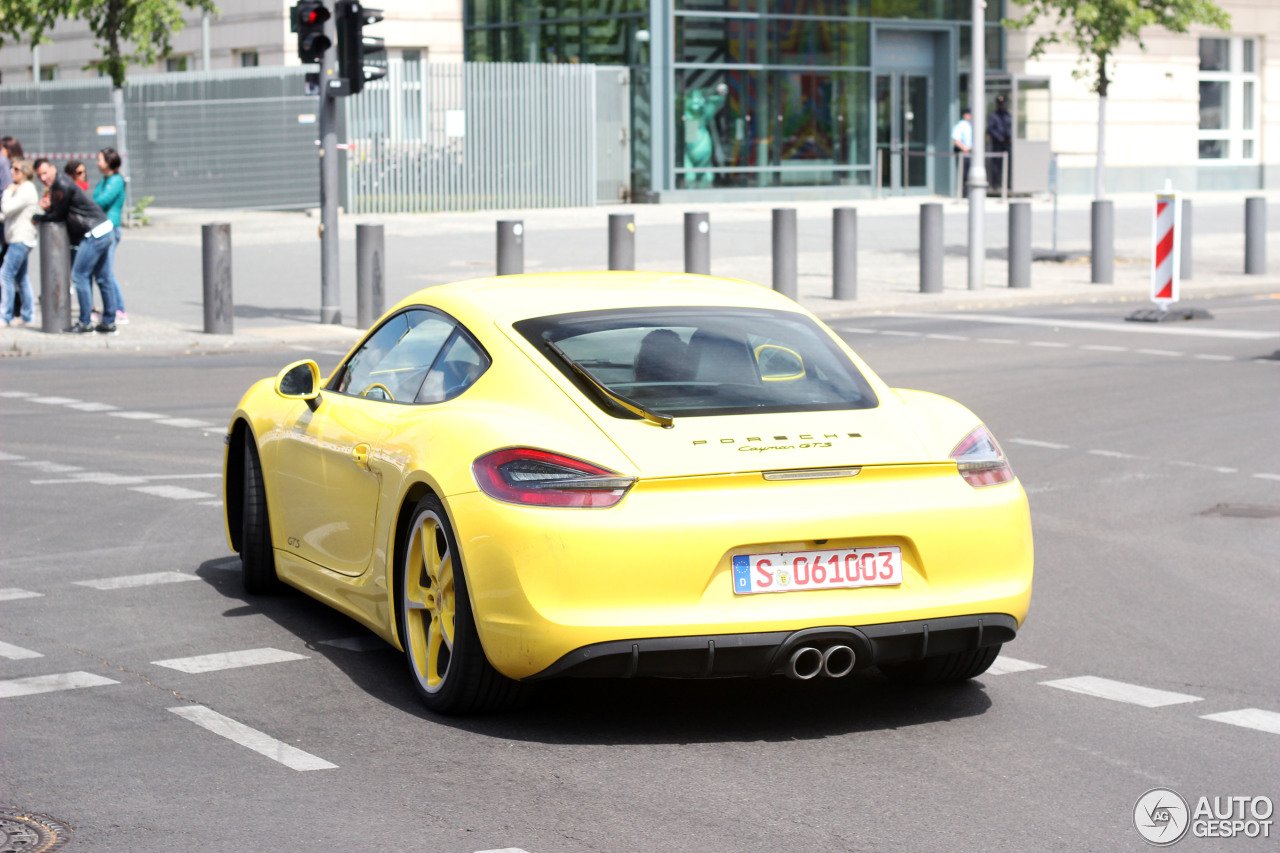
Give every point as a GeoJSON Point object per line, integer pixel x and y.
{"type": "Point", "coordinates": [32, 192]}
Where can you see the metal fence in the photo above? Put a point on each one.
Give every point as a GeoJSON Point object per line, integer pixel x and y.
{"type": "Point", "coordinates": [483, 136]}
{"type": "Point", "coordinates": [427, 137]}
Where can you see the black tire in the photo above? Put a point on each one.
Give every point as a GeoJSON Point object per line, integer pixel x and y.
{"type": "Point", "coordinates": [451, 674]}
{"type": "Point", "coordinates": [942, 669]}
{"type": "Point", "coordinates": [257, 557]}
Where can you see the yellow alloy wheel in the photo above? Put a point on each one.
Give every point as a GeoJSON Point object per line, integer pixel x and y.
{"type": "Point", "coordinates": [429, 601]}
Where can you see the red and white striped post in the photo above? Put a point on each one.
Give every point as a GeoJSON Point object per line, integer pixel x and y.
{"type": "Point", "coordinates": [1166, 255]}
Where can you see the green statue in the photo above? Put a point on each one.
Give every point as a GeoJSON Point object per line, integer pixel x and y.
{"type": "Point", "coordinates": [700, 108]}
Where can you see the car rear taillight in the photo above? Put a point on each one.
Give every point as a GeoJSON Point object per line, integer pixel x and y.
{"type": "Point", "coordinates": [522, 475]}
{"type": "Point", "coordinates": [981, 461]}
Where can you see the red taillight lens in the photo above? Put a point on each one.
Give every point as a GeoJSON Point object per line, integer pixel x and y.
{"type": "Point", "coordinates": [981, 461]}
{"type": "Point", "coordinates": [522, 475]}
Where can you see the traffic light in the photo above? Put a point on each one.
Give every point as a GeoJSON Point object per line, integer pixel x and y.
{"type": "Point", "coordinates": [309, 18]}
{"type": "Point", "coordinates": [354, 46]}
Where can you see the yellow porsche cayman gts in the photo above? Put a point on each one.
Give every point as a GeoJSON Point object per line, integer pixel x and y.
{"type": "Point", "coordinates": [627, 474]}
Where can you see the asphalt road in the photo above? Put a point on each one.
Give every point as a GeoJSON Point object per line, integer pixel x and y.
{"type": "Point", "coordinates": [1149, 453]}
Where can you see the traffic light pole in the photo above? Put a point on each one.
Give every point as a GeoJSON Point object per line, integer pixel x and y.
{"type": "Point", "coordinates": [330, 289]}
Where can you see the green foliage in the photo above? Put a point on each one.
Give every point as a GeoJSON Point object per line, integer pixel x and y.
{"type": "Point", "coordinates": [138, 216]}
{"type": "Point", "coordinates": [1097, 28]}
{"type": "Point", "coordinates": [127, 31]}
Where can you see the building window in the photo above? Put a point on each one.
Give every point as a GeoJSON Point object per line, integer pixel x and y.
{"type": "Point", "coordinates": [175, 63]}
{"type": "Point", "coordinates": [1229, 92]}
{"type": "Point", "coordinates": [48, 73]}
{"type": "Point", "coordinates": [248, 59]}
{"type": "Point", "coordinates": [412, 54]}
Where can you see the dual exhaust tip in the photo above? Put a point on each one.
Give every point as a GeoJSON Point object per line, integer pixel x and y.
{"type": "Point", "coordinates": [809, 662]}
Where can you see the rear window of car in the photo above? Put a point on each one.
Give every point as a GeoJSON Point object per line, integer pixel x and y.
{"type": "Point", "coordinates": [702, 361]}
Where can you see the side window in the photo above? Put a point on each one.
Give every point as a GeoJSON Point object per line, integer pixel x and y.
{"type": "Point", "coordinates": [392, 364]}
{"type": "Point", "coordinates": [460, 365]}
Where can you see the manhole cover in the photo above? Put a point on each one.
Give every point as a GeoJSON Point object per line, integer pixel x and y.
{"type": "Point", "coordinates": [22, 832]}
{"type": "Point", "coordinates": [1243, 511]}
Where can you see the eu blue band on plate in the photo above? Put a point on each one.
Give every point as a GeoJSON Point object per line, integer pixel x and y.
{"type": "Point", "coordinates": [741, 573]}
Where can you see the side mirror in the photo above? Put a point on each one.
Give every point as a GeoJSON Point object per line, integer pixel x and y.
{"type": "Point", "coordinates": [299, 381]}
{"type": "Point", "coordinates": [779, 364]}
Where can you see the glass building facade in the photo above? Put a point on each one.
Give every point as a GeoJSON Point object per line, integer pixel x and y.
{"type": "Point", "coordinates": [764, 97]}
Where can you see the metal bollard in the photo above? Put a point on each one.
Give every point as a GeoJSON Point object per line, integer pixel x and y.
{"type": "Point", "coordinates": [1102, 232]}
{"type": "Point", "coordinates": [1255, 236]}
{"type": "Point", "coordinates": [697, 243]}
{"type": "Point", "coordinates": [931, 248]}
{"type": "Point", "coordinates": [370, 275]}
{"type": "Point", "coordinates": [218, 308]}
{"type": "Point", "coordinates": [1020, 244]}
{"type": "Point", "coordinates": [510, 246]}
{"type": "Point", "coordinates": [785, 266]}
{"type": "Point", "coordinates": [1184, 261]}
{"type": "Point", "coordinates": [622, 241]}
{"type": "Point", "coordinates": [844, 253]}
{"type": "Point", "coordinates": [55, 277]}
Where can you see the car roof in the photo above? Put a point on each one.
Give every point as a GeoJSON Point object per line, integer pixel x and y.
{"type": "Point", "coordinates": [511, 298]}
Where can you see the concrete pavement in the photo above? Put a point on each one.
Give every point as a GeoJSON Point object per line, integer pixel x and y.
{"type": "Point", "coordinates": [276, 262]}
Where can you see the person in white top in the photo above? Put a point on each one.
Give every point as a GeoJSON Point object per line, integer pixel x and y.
{"type": "Point", "coordinates": [18, 204]}
{"type": "Point", "coordinates": [962, 144]}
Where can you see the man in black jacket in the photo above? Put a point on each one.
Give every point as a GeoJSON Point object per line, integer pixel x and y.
{"type": "Point", "coordinates": [1000, 129]}
{"type": "Point", "coordinates": [89, 230]}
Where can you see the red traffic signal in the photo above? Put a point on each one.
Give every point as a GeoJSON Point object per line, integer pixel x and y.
{"type": "Point", "coordinates": [309, 19]}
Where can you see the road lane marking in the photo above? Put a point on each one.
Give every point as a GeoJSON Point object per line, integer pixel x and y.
{"type": "Point", "coordinates": [131, 581]}
{"type": "Point", "coordinates": [1004, 665]}
{"type": "Point", "coordinates": [53, 401]}
{"type": "Point", "coordinates": [136, 416]}
{"type": "Point", "coordinates": [1031, 442]}
{"type": "Point", "coordinates": [901, 334]}
{"type": "Point", "coordinates": [1134, 328]}
{"type": "Point", "coordinates": [1267, 476]}
{"type": "Point", "coordinates": [1164, 352]}
{"type": "Point", "coordinates": [997, 341]}
{"type": "Point", "coordinates": [1212, 357]}
{"type": "Point", "coordinates": [186, 423]}
{"type": "Point", "coordinates": [10, 457]}
{"type": "Point", "coordinates": [263, 744]}
{"type": "Point", "coordinates": [12, 652]}
{"type": "Point", "coordinates": [176, 493]}
{"type": "Point", "coordinates": [228, 660]}
{"type": "Point", "coordinates": [1103, 348]}
{"type": "Point", "coordinates": [1249, 718]}
{"type": "Point", "coordinates": [1119, 691]}
{"type": "Point", "coordinates": [1048, 344]}
{"type": "Point", "coordinates": [13, 395]}
{"type": "Point", "coordinates": [365, 643]}
{"type": "Point", "coordinates": [938, 337]}
{"type": "Point", "coordinates": [50, 683]}
{"type": "Point", "coordinates": [49, 467]}
{"type": "Point", "coordinates": [13, 594]}
{"type": "Point", "coordinates": [1113, 454]}
{"type": "Point", "coordinates": [93, 407]}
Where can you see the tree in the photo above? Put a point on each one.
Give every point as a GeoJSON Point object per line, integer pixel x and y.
{"type": "Point", "coordinates": [1097, 29]}
{"type": "Point", "coordinates": [145, 25]}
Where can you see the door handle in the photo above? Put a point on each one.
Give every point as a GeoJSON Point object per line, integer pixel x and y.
{"type": "Point", "coordinates": [360, 455]}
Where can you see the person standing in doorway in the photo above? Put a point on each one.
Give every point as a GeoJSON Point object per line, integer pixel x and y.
{"type": "Point", "coordinates": [962, 144]}
{"type": "Point", "coordinates": [89, 230]}
{"type": "Point", "coordinates": [1000, 129]}
{"type": "Point", "coordinates": [18, 204]}
{"type": "Point", "coordinates": [109, 195]}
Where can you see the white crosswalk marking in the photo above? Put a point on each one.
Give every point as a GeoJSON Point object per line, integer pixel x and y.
{"type": "Point", "coordinates": [1119, 691]}
{"type": "Point", "coordinates": [176, 493]}
{"type": "Point", "coordinates": [1004, 665]}
{"type": "Point", "coordinates": [49, 467]}
{"type": "Point", "coordinates": [13, 395]}
{"type": "Point", "coordinates": [184, 422]}
{"type": "Point", "coordinates": [10, 457]}
{"type": "Point", "coordinates": [263, 744]}
{"type": "Point", "coordinates": [229, 660]}
{"type": "Point", "coordinates": [13, 594]}
{"type": "Point", "coordinates": [50, 683]}
{"type": "Point", "coordinates": [12, 652]}
{"type": "Point", "coordinates": [129, 581]}
{"type": "Point", "coordinates": [93, 407]}
{"type": "Point", "coordinates": [137, 416]}
{"type": "Point", "coordinates": [53, 401]}
{"type": "Point", "coordinates": [1031, 442]}
{"type": "Point", "coordinates": [1249, 718]}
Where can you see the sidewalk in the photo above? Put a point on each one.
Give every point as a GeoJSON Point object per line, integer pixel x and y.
{"type": "Point", "coordinates": [277, 288]}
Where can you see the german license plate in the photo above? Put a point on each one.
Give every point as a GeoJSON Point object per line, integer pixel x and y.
{"type": "Point", "coordinates": [839, 568]}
